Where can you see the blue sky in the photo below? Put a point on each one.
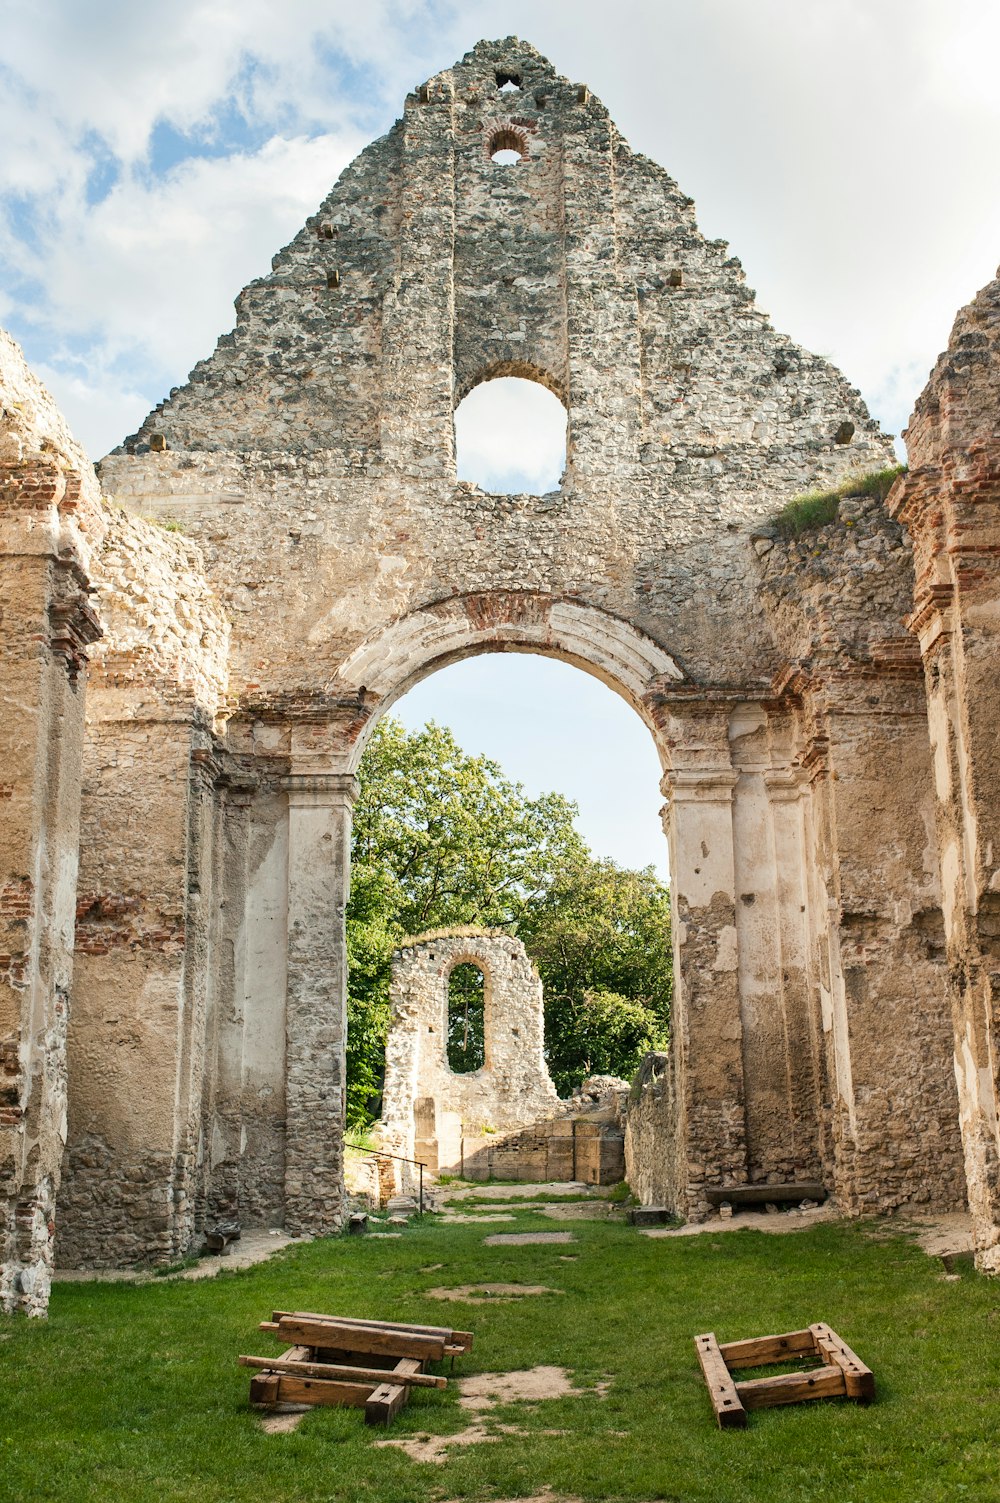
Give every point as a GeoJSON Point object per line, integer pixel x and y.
{"type": "Point", "coordinates": [154, 159]}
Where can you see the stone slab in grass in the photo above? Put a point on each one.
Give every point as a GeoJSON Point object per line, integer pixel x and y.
{"type": "Point", "coordinates": [526, 1239]}
{"type": "Point", "coordinates": [490, 1216]}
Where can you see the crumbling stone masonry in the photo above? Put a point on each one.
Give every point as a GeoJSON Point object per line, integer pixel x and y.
{"type": "Point", "coordinates": [428, 1109]}
{"type": "Point", "coordinates": [825, 709]}
{"type": "Point", "coordinates": [50, 523]}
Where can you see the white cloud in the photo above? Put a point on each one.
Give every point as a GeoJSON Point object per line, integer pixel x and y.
{"type": "Point", "coordinates": [510, 436]}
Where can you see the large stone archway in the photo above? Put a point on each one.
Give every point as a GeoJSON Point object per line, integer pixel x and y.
{"type": "Point", "coordinates": [326, 557]}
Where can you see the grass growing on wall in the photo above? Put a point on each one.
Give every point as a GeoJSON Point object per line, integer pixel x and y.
{"type": "Point", "coordinates": [819, 508]}
{"type": "Point", "coordinates": [133, 1392]}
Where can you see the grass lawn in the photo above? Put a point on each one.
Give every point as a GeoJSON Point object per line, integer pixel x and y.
{"type": "Point", "coordinates": [132, 1393]}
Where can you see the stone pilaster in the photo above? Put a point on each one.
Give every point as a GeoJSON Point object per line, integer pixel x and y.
{"type": "Point", "coordinates": [707, 1044]}
{"type": "Point", "coordinates": [320, 806]}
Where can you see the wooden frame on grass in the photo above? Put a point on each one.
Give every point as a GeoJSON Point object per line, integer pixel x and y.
{"type": "Point", "coordinates": [841, 1375]}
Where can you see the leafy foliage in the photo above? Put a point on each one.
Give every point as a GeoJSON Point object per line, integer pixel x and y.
{"type": "Point", "coordinates": [442, 838]}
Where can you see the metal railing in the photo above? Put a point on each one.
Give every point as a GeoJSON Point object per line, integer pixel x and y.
{"type": "Point", "coordinates": [380, 1153]}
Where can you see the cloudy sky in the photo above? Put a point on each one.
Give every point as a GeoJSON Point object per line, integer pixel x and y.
{"type": "Point", "coordinates": [154, 157]}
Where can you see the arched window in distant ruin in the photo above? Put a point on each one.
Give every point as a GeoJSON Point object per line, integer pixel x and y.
{"type": "Point", "coordinates": [466, 1018]}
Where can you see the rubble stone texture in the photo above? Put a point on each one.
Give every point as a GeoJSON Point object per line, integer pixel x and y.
{"type": "Point", "coordinates": [825, 709]}
{"type": "Point", "coordinates": [428, 1109]}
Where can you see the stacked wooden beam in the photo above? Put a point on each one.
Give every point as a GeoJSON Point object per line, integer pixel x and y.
{"type": "Point", "coordinates": [842, 1374]}
{"type": "Point", "coordinates": [332, 1359]}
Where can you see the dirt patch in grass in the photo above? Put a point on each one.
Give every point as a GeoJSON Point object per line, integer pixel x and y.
{"type": "Point", "coordinates": [283, 1422]}
{"type": "Point", "coordinates": [486, 1294]}
{"type": "Point", "coordinates": [486, 1390]}
{"type": "Point", "coordinates": [435, 1448]}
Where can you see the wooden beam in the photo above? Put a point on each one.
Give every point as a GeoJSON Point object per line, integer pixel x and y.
{"type": "Point", "coordinates": [345, 1336]}
{"type": "Point", "coordinates": [859, 1379]}
{"type": "Point", "coordinates": [792, 1388]}
{"type": "Point", "coordinates": [386, 1402]}
{"type": "Point", "coordinates": [456, 1338]}
{"type": "Point", "coordinates": [316, 1391]}
{"type": "Point", "coordinates": [759, 1195]}
{"type": "Point", "coordinates": [729, 1411]}
{"type": "Point", "coordinates": [346, 1371]}
{"type": "Point", "coordinates": [760, 1350]}
{"type": "Point", "coordinates": [264, 1389]}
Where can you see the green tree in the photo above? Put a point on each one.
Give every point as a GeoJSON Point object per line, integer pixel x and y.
{"type": "Point", "coordinates": [442, 838]}
{"type": "Point", "coordinates": [600, 937]}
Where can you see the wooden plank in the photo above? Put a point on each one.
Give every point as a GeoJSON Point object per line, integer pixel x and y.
{"type": "Point", "coordinates": [345, 1371]}
{"type": "Point", "coordinates": [386, 1402]}
{"type": "Point", "coordinates": [759, 1195]}
{"type": "Point", "coordinates": [792, 1388]}
{"type": "Point", "coordinates": [760, 1350]}
{"type": "Point", "coordinates": [293, 1390]}
{"type": "Point", "coordinates": [352, 1338]}
{"type": "Point", "coordinates": [860, 1380]}
{"type": "Point", "coordinates": [457, 1338]}
{"type": "Point", "coordinates": [729, 1411]}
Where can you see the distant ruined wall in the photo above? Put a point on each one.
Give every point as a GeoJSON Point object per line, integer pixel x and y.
{"type": "Point", "coordinates": [427, 1108]}
{"type": "Point", "coordinates": [51, 521]}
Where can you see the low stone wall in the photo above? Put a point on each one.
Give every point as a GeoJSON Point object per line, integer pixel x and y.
{"type": "Point", "coordinates": [561, 1149]}
{"type": "Point", "coordinates": [651, 1127]}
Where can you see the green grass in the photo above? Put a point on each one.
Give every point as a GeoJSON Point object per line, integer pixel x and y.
{"type": "Point", "coordinates": [132, 1392]}
{"type": "Point", "coordinates": [819, 508]}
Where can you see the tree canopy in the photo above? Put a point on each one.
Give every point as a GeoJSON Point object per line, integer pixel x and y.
{"type": "Point", "coordinates": [443, 838]}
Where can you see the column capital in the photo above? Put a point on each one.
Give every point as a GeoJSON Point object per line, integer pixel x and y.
{"type": "Point", "coordinates": [785, 784]}
{"type": "Point", "coordinates": [705, 785]}
{"type": "Point", "coordinates": [312, 790]}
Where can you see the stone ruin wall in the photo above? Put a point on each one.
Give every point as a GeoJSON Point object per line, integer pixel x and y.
{"type": "Point", "coordinates": [834, 881]}
{"type": "Point", "coordinates": [428, 1109]}
{"type": "Point", "coordinates": [949, 502]}
{"type": "Point", "coordinates": [505, 1120]}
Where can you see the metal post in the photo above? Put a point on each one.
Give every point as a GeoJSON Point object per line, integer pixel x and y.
{"type": "Point", "coordinates": [421, 1189]}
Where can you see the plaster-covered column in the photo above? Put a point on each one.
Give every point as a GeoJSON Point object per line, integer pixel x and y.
{"type": "Point", "coordinates": [320, 806]}
{"type": "Point", "coordinates": [788, 795]}
{"type": "Point", "coordinates": [707, 1041]}
{"type": "Point", "coordinates": [769, 860]}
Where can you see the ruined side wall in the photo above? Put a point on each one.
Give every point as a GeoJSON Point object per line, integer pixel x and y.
{"type": "Point", "coordinates": [950, 503]}
{"type": "Point", "coordinates": [838, 597]}
{"type": "Point", "coordinates": [50, 521]}
{"type": "Point", "coordinates": [426, 1107]}
{"type": "Point", "coordinates": [147, 892]}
